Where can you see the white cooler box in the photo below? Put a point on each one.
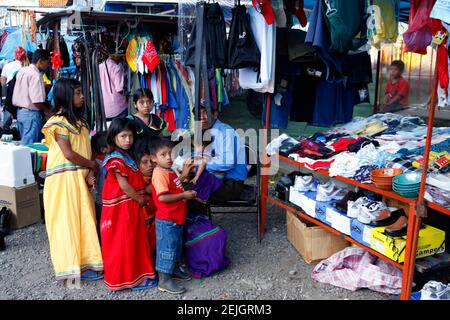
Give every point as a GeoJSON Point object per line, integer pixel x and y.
{"type": "Point", "coordinates": [15, 166]}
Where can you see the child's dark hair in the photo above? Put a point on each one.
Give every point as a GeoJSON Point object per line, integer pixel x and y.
{"type": "Point", "coordinates": [157, 144]}
{"type": "Point", "coordinates": [141, 151]}
{"type": "Point", "coordinates": [117, 126]}
{"type": "Point", "coordinates": [63, 92]}
{"type": "Point", "coordinates": [142, 93]}
{"type": "Point", "coordinates": [399, 64]}
{"type": "Point", "coordinates": [98, 142]}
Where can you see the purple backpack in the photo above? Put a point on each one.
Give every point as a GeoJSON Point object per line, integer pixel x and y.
{"type": "Point", "coordinates": [205, 246]}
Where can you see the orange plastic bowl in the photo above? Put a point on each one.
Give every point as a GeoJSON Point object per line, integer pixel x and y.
{"type": "Point", "coordinates": [385, 173]}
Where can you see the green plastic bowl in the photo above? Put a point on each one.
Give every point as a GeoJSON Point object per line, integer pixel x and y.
{"type": "Point", "coordinates": [409, 178]}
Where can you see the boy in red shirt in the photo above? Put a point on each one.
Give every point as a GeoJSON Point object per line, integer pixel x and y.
{"type": "Point", "coordinates": [170, 200]}
{"type": "Point", "coordinates": [397, 89]}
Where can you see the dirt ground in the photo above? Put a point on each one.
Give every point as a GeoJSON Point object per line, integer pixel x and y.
{"type": "Point", "coordinates": [270, 270]}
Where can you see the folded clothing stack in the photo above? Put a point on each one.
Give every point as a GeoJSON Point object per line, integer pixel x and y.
{"type": "Point", "coordinates": [438, 189]}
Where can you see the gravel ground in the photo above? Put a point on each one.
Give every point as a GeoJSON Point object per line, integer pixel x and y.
{"type": "Point", "coordinates": [271, 270]}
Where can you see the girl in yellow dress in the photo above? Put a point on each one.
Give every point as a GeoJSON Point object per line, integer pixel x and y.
{"type": "Point", "coordinates": [68, 203]}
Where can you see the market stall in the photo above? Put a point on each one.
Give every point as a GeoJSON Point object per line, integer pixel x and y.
{"type": "Point", "coordinates": [348, 154]}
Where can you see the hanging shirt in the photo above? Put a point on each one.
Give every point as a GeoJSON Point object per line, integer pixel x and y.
{"type": "Point", "coordinates": [112, 77]}
{"type": "Point", "coordinates": [265, 37]}
{"type": "Point", "coordinates": [10, 69]}
{"type": "Point", "coordinates": [228, 152]}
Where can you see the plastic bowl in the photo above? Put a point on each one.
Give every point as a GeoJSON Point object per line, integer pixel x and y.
{"type": "Point", "coordinates": [409, 178]}
{"type": "Point", "coordinates": [386, 172]}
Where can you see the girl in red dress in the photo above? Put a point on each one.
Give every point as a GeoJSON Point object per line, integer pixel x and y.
{"type": "Point", "coordinates": [127, 253]}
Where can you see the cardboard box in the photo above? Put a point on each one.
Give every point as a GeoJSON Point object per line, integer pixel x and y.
{"type": "Point", "coordinates": [431, 241]}
{"type": "Point", "coordinates": [24, 203]}
{"type": "Point", "coordinates": [361, 232]}
{"type": "Point", "coordinates": [338, 220]}
{"type": "Point", "coordinates": [312, 242]}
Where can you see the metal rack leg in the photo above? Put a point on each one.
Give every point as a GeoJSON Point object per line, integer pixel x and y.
{"type": "Point", "coordinates": [410, 253]}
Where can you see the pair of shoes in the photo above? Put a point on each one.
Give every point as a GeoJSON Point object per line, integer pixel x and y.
{"type": "Point", "coordinates": [342, 205]}
{"type": "Point", "coordinates": [167, 284]}
{"type": "Point", "coordinates": [434, 290]}
{"type": "Point", "coordinates": [354, 207]}
{"type": "Point", "coordinates": [329, 191]}
{"type": "Point", "coordinates": [398, 229]}
{"type": "Point", "coordinates": [305, 183]}
{"type": "Point", "coordinates": [371, 211]}
{"type": "Point", "coordinates": [387, 217]}
{"type": "Point", "coordinates": [147, 284]}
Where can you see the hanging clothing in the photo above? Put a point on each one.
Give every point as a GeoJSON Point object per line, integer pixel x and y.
{"type": "Point", "coordinates": [418, 36]}
{"type": "Point", "coordinates": [345, 19]}
{"type": "Point", "coordinates": [265, 37]}
{"type": "Point", "coordinates": [112, 77]}
{"type": "Point", "coordinates": [318, 36]}
{"type": "Point", "coordinates": [441, 11]}
{"type": "Point", "coordinates": [126, 246]}
{"type": "Point", "coordinates": [69, 206]}
{"type": "Point", "coordinates": [334, 103]}
{"type": "Point", "coordinates": [385, 17]}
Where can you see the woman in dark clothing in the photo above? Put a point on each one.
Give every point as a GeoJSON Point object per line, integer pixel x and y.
{"type": "Point", "coordinates": [148, 124]}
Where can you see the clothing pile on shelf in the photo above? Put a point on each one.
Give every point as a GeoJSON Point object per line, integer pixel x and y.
{"type": "Point", "coordinates": [356, 149]}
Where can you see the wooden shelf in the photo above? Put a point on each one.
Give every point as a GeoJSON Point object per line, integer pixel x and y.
{"type": "Point", "coordinates": [303, 215]}
{"type": "Point", "coordinates": [369, 187]}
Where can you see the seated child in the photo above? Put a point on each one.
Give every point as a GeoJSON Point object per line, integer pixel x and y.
{"type": "Point", "coordinates": [170, 200]}
{"type": "Point", "coordinates": [397, 89]}
{"type": "Point", "coordinates": [203, 182]}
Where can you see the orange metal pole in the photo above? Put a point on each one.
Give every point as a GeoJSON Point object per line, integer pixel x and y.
{"type": "Point", "coordinates": [419, 211]}
{"type": "Point", "coordinates": [265, 170]}
{"type": "Point", "coordinates": [418, 81]}
{"type": "Point", "coordinates": [409, 67]}
{"type": "Point", "coordinates": [430, 81]}
{"type": "Point", "coordinates": [410, 253]}
{"type": "Point", "coordinates": [381, 78]}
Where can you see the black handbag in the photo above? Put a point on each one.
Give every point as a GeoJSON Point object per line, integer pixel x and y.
{"type": "Point", "coordinates": [242, 49]}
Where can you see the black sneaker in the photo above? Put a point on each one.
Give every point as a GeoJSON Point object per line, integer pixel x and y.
{"type": "Point", "coordinates": [181, 273]}
{"type": "Point", "coordinates": [167, 284]}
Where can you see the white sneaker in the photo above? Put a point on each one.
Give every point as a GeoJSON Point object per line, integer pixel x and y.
{"type": "Point", "coordinates": [329, 191]}
{"type": "Point", "coordinates": [370, 211]}
{"type": "Point", "coordinates": [354, 207]}
{"type": "Point", "coordinates": [305, 184]}
{"type": "Point", "coordinates": [434, 290]}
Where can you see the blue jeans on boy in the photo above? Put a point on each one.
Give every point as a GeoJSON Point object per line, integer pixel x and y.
{"type": "Point", "coordinates": [169, 244]}
{"type": "Point", "coordinates": [30, 124]}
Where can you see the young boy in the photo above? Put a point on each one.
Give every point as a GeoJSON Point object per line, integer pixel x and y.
{"type": "Point", "coordinates": [170, 200]}
{"type": "Point", "coordinates": [100, 148]}
{"type": "Point", "coordinates": [397, 89]}
{"type": "Point", "coordinates": [146, 167]}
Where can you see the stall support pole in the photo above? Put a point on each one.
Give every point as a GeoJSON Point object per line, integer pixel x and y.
{"type": "Point", "coordinates": [415, 214]}
{"type": "Point", "coordinates": [265, 170]}
{"type": "Point", "coordinates": [377, 83]}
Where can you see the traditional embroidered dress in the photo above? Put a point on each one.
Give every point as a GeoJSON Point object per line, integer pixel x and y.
{"type": "Point", "coordinates": [69, 206]}
{"type": "Point", "coordinates": [127, 253]}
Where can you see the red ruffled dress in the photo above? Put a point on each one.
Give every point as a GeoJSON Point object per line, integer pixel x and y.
{"type": "Point", "coordinates": [126, 248]}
